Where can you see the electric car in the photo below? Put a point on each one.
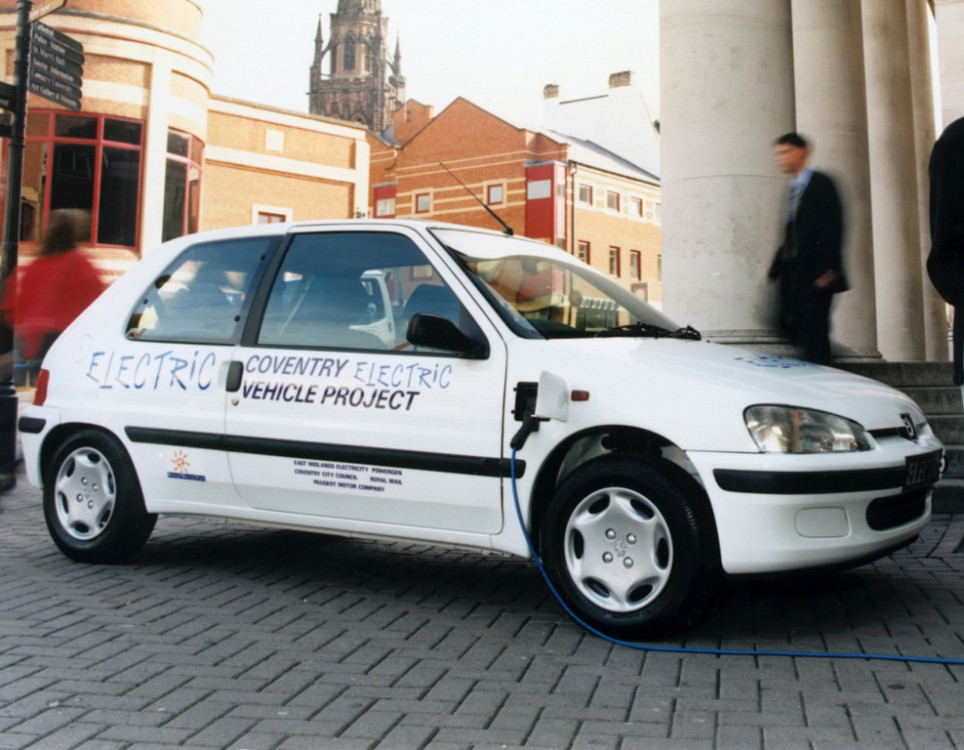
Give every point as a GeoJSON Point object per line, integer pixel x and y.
{"type": "Point", "coordinates": [524, 404]}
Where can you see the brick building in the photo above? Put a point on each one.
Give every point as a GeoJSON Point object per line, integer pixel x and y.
{"type": "Point", "coordinates": [154, 154]}
{"type": "Point", "coordinates": [545, 185]}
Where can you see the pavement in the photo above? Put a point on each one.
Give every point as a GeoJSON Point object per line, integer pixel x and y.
{"type": "Point", "coordinates": [220, 635]}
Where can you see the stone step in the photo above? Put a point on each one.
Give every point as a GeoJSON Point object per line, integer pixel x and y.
{"type": "Point", "coordinates": [901, 374]}
{"type": "Point", "coordinates": [936, 399]}
{"type": "Point", "coordinates": [949, 429]}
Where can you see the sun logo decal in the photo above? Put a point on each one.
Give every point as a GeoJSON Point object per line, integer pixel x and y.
{"type": "Point", "coordinates": [181, 464]}
{"type": "Point", "coordinates": [181, 468]}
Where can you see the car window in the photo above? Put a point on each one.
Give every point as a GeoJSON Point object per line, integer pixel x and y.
{"type": "Point", "coordinates": [353, 290]}
{"type": "Point", "coordinates": [199, 298]}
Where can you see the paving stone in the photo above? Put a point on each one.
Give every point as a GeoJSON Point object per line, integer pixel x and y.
{"type": "Point", "coordinates": [224, 636]}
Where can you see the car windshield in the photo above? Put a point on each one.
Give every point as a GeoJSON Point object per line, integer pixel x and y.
{"type": "Point", "coordinates": [543, 293]}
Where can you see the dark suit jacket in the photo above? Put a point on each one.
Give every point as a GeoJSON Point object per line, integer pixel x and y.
{"type": "Point", "coordinates": [813, 240]}
{"type": "Point", "coordinates": [945, 262]}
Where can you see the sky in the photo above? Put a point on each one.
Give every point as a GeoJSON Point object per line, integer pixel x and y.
{"type": "Point", "coordinates": [498, 54]}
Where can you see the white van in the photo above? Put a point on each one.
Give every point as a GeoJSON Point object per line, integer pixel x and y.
{"type": "Point", "coordinates": [251, 374]}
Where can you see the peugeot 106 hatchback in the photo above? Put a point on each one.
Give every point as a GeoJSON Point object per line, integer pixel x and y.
{"type": "Point", "coordinates": [400, 379]}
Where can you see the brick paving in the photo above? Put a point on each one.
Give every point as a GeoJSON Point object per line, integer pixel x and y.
{"type": "Point", "coordinates": [226, 636]}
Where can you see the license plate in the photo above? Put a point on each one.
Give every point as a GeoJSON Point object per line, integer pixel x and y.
{"type": "Point", "coordinates": [922, 471]}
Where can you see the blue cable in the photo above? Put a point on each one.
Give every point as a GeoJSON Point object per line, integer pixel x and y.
{"type": "Point", "coordinates": [691, 650]}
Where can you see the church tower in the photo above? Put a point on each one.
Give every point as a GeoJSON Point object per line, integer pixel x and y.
{"type": "Point", "coordinates": [362, 84]}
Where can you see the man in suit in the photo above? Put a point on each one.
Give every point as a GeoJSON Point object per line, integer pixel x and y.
{"type": "Point", "coordinates": [808, 263]}
{"type": "Point", "coordinates": [945, 262]}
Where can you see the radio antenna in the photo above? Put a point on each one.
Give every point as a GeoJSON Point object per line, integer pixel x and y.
{"type": "Point", "coordinates": [493, 214]}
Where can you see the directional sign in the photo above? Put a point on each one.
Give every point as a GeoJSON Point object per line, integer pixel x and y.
{"type": "Point", "coordinates": [39, 11]}
{"type": "Point", "coordinates": [56, 66]}
{"type": "Point", "coordinates": [53, 89]}
{"type": "Point", "coordinates": [56, 42]}
{"type": "Point", "coordinates": [45, 58]}
{"type": "Point", "coordinates": [7, 94]}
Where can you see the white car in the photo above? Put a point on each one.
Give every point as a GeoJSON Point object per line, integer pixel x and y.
{"type": "Point", "coordinates": [243, 374]}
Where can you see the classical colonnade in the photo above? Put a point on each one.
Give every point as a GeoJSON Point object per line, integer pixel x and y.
{"type": "Point", "coordinates": [855, 77]}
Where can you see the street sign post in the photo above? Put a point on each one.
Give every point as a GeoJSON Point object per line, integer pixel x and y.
{"type": "Point", "coordinates": [56, 66]}
{"type": "Point", "coordinates": [44, 8]}
{"type": "Point", "coordinates": [9, 401]}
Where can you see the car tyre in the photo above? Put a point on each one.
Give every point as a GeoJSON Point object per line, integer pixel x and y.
{"type": "Point", "coordinates": [631, 546]}
{"type": "Point", "coordinates": [92, 500]}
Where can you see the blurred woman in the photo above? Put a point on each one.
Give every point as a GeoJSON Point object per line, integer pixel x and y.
{"type": "Point", "coordinates": [54, 289]}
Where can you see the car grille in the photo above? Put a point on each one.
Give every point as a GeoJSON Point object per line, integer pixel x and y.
{"type": "Point", "coordinates": [890, 512]}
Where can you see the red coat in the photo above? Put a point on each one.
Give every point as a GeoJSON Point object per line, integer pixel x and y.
{"type": "Point", "coordinates": [50, 293]}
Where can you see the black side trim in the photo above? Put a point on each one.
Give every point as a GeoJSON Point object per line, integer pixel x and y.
{"type": "Point", "coordinates": [32, 425]}
{"type": "Point", "coordinates": [441, 462]}
{"type": "Point", "coordinates": [809, 482]}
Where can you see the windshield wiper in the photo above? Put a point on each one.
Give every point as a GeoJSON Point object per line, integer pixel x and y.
{"type": "Point", "coordinates": [648, 329]}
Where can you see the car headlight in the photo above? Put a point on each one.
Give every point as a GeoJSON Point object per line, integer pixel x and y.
{"type": "Point", "coordinates": [787, 429]}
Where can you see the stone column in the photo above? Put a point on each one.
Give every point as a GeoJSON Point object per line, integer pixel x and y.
{"type": "Point", "coordinates": [893, 174]}
{"type": "Point", "coordinates": [949, 15]}
{"type": "Point", "coordinates": [155, 152]}
{"type": "Point", "coordinates": [727, 93]}
{"type": "Point", "coordinates": [832, 112]}
{"type": "Point", "coordinates": [935, 311]}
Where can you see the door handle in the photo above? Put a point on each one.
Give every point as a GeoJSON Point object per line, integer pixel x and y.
{"type": "Point", "coordinates": [235, 375]}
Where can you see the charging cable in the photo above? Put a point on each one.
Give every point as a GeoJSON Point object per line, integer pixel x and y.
{"type": "Point", "coordinates": [519, 440]}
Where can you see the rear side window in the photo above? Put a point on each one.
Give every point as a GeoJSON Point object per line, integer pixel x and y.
{"type": "Point", "coordinates": [200, 297]}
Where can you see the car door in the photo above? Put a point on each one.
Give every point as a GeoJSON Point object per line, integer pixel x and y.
{"type": "Point", "coordinates": [165, 378]}
{"type": "Point", "coordinates": [330, 423]}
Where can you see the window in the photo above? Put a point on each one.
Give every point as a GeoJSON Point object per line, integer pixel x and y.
{"type": "Point", "coordinates": [348, 61]}
{"type": "Point", "coordinates": [422, 203]}
{"type": "Point", "coordinates": [199, 298]}
{"type": "Point", "coordinates": [261, 214]}
{"type": "Point", "coordinates": [385, 207]}
{"type": "Point", "coordinates": [90, 162]}
{"type": "Point", "coordinates": [636, 207]}
{"type": "Point", "coordinates": [585, 194]}
{"type": "Point", "coordinates": [614, 261]}
{"type": "Point", "coordinates": [495, 194]}
{"type": "Point", "coordinates": [539, 189]}
{"type": "Point", "coordinates": [657, 216]}
{"type": "Point", "coordinates": [659, 267]}
{"type": "Point", "coordinates": [612, 200]}
{"type": "Point", "coordinates": [346, 290]}
{"type": "Point", "coordinates": [582, 251]}
{"type": "Point", "coordinates": [635, 265]}
{"type": "Point", "coordinates": [182, 185]}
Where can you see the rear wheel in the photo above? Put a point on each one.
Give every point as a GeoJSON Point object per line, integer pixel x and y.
{"type": "Point", "coordinates": [92, 500]}
{"type": "Point", "coordinates": [631, 547]}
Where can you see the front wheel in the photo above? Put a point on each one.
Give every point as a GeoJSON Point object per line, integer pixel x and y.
{"type": "Point", "coordinates": [631, 547]}
{"type": "Point", "coordinates": [92, 500]}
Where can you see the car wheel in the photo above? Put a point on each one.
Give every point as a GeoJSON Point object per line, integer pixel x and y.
{"type": "Point", "coordinates": [631, 547]}
{"type": "Point", "coordinates": [92, 500]}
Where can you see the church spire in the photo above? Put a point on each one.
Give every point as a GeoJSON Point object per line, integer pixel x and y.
{"type": "Point", "coordinates": [365, 84]}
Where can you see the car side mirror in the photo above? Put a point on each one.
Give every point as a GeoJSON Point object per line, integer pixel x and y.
{"type": "Point", "coordinates": [436, 332]}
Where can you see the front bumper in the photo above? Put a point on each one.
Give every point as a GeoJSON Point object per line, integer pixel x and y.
{"type": "Point", "coordinates": [777, 512]}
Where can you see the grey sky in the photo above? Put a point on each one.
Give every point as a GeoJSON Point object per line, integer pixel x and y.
{"type": "Point", "coordinates": [498, 54]}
